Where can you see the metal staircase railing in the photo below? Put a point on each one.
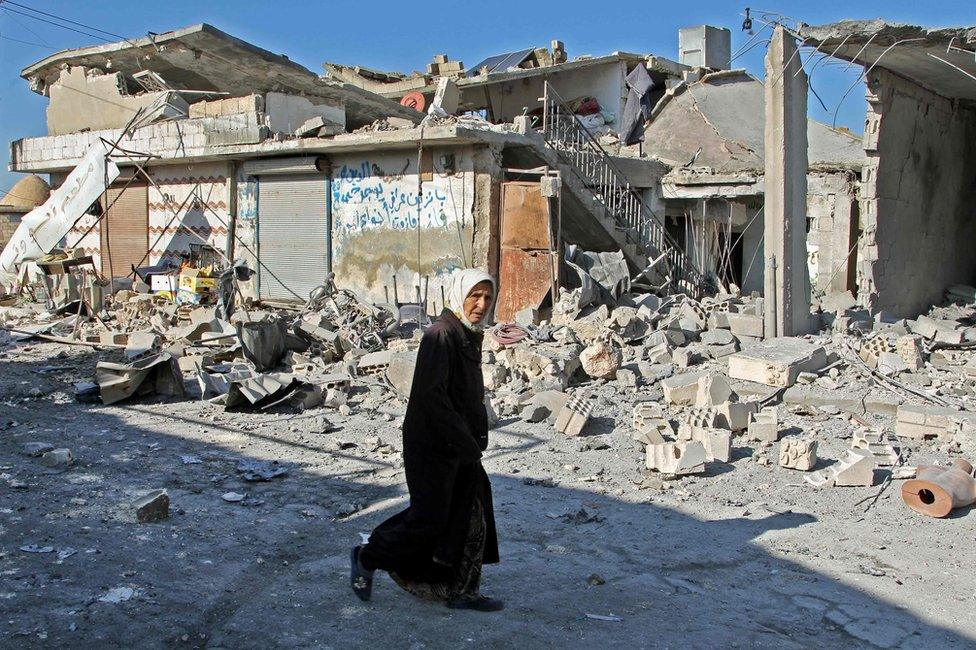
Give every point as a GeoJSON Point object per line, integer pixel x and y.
{"type": "Point", "coordinates": [579, 150]}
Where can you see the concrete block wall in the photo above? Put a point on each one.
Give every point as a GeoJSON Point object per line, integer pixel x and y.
{"type": "Point", "coordinates": [831, 208]}
{"type": "Point", "coordinates": [8, 224]}
{"type": "Point", "coordinates": [916, 205]}
{"type": "Point", "coordinates": [188, 138]}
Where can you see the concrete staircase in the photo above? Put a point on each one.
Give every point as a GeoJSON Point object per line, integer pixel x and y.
{"type": "Point", "coordinates": [590, 173]}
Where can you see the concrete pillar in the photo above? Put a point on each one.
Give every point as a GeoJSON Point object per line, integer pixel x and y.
{"type": "Point", "coordinates": [787, 282]}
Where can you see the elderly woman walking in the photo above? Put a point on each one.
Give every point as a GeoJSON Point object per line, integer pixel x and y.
{"type": "Point", "coordinates": [436, 547]}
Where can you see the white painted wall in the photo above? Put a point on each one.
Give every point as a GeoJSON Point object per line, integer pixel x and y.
{"type": "Point", "coordinates": [605, 82]}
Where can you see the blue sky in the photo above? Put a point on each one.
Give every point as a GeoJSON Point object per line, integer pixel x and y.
{"type": "Point", "coordinates": [403, 36]}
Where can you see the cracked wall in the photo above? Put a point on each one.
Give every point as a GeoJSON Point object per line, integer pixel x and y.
{"type": "Point", "coordinates": [918, 216]}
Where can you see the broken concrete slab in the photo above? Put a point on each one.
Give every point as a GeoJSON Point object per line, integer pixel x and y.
{"type": "Point", "coordinates": [777, 362]}
{"type": "Point", "coordinates": [259, 392]}
{"type": "Point", "coordinates": [158, 374]}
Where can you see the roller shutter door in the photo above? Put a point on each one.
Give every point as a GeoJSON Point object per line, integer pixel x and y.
{"type": "Point", "coordinates": [125, 230]}
{"type": "Point", "coordinates": [292, 228]}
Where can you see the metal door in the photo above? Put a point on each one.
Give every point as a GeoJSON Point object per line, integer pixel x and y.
{"type": "Point", "coordinates": [526, 264]}
{"type": "Point", "coordinates": [125, 230]}
{"type": "Point", "coordinates": [292, 230]}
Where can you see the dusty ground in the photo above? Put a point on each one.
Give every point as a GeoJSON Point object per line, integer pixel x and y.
{"type": "Point", "coordinates": [744, 556]}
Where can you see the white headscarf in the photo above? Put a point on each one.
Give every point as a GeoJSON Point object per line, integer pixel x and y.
{"type": "Point", "coordinates": [463, 281]}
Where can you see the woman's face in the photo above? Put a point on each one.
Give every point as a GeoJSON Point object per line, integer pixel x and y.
{"type": "Point", "coordinates": [478, 303]}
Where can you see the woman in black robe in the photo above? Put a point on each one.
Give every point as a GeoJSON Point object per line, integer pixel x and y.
{"type": "Point", "coordinates": [436, 547]}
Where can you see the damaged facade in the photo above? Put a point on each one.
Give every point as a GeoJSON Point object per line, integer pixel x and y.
{"type": "Point", "coordinates": [246, 152]}
{"type": "Point", "coordinates": [920, 170]}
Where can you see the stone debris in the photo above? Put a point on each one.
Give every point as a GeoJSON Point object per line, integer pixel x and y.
{"type": "Point", "coordinates": [600, 360]}
{"type": "Point", "coordinates": [574, 415]}
{"type": "Point", "coordinates": [777, 362]}
{"type": "Point", "coordinates": [36, 449]}
{"type": "Point", "coordinates": [712, 391]}
{"type": "Point", "coordinates": [682, 390]}
{"type": "Point", "coordinates": [676, 458]}
{"type": "Point", "coordinates": [764, 425]}
{"type": "Point", "coordinates": [875, 442]}
{"type": "Point", "coordinates": [798, 453]}
{"type": "Point", "coordinates": [856, 469]}
{"type": "Point", "coordinates": [152, 507]}
{"type": "Point", "coordinates": [925, 421]}
{"type": "Point", "coordinates": [57, 458]}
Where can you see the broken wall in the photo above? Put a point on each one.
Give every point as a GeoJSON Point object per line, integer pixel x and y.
{"type": "Point", "coordinates": [605, 82]}
{"type": "Point", "coordinates": [832, 217]}
{"type": "Point", "coordinates": [84, 99]}
{"type": "Point", "coordinates": [917, 196]}
{"type": "Point", "coordinates": [376, 212]}
{"type": "Point", "coordinates": [285, 113]}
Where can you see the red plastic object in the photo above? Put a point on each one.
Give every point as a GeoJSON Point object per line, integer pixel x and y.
{"type": "Point", "coordinates": [415, 101]}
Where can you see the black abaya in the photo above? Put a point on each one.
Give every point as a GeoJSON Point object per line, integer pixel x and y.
{"type": "Point", "coordinates": [444, 432]}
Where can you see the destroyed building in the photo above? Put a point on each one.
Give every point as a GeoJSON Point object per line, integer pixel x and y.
{"type": "Point", "coordinates": [249, 153]}
{"type": "Point", "coordinates": [710, 133]}
{"type": "Point", "coordinates": [918, 179]}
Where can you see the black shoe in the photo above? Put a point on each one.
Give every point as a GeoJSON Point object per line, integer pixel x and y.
{"type": "Point", "coordinates": [477, 603]}
{"type": "Point", "coordinates": [360, 579]}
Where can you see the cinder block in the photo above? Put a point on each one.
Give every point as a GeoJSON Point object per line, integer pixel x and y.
{"type": "Point", "coordinates": [676, 458]}
{"type": "Point", "coordinates": [681, 390]}
{"type": "Point", "coordinates": [764, 426]}
{"type": "Point", "coordinates": [798, 453]}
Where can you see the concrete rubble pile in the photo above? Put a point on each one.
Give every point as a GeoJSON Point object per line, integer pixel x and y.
{"type": "Point", "coordinates": [256, 359]}
{"type": "Point", "coordinates": [705, 386]}
{"type": "Point", "coordinates": [695, 382]}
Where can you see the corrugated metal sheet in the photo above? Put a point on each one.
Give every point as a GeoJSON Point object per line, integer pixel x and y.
{"type": "Point", "coordinates": [526, 264]}
{"type": "Point", "coordinates": [292, 228]}
{"type": "Point", "coordinates": [125, 229]}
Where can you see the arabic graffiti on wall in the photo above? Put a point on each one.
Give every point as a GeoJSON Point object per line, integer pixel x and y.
{"type": "Point", "coordinates": [381, 193]}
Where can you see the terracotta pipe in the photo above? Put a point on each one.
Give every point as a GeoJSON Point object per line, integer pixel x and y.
{"type": "Point", "coordinates": [937, 490]}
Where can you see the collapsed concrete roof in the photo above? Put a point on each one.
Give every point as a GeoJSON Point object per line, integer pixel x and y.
{"type": "Point", "coordinates": [392, 84]}
{"type": "Point", "coordinates": [202, 57]}
{"type": "Point", "coordinates": [723, 114]}
{"type": "Point", "coordinates": [940, 59]}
